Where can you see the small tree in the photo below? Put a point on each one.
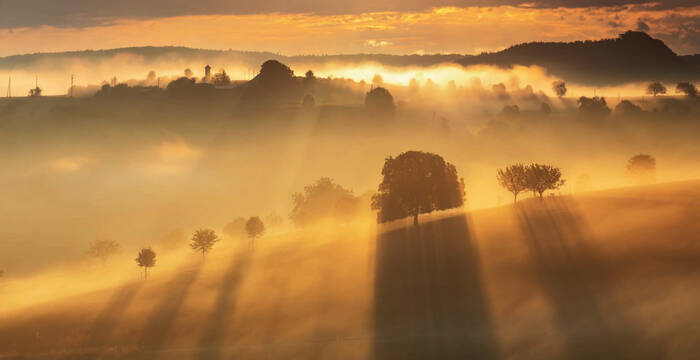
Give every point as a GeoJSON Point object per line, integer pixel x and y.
{"type": "Point", "coordinates": [236, 228]}
{"type": "Point", "coordinates": [642, 168]}
{"type": "Point", "coordinates": [255, 228]}
{"type": "Point", "coordinates": [559, 88]}
{"type": "Point", "coordinates": [102, 249]}
{"type": "Point", "coordinates": [146, 259]}
{"type": "Point", "coordinates": [414, 183]}
{"type": "Point", "coordinates": [203, 240]}
{"type": "Point", "coordinates": [687, 88]}
{"type": "Point", "coordinates": [221, 78]}
{"type": "Point", "coordinates": [541, 178]}
{"type": "Point", "coordinates": [656, 88]}
{"type": "Point", "coordinates": [514, 179]}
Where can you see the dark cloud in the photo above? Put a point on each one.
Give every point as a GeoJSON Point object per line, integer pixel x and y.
{"type": "Point", "coordinates": [642, 26]}
{"type": "Point", "coordinates": [81, 13]}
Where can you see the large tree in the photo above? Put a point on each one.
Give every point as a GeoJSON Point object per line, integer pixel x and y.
{"type": "Point", "coordinates": [379, 101]}
{"type": "Point", "coordinates": [323, 200]}
{"type": "Point", "coordinates": [102, 249]}
{"type": "Point", "coordinates": [541, 178]}
{"type": "Point", "coordinates": [255, 228]}
{"type": "Point", "coordinates": [414, 183]}
{"type": "Point", "coordinates": [687, 88]}
{"type": "Point", "coordinates": [514, 179]}
{"type": "Point", "coordinates": [203, 240]}
{"type": "Point", "coordinates": [656, 88]}
{"type": "Point", "coordinates": [146, 259]}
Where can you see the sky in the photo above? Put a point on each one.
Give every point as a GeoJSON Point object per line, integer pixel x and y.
{"type": "Point", "coordinates": [293, 27]}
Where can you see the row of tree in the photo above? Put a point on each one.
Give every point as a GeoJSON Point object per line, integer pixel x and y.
{"type": "Point", "coordinates": [537, 178]}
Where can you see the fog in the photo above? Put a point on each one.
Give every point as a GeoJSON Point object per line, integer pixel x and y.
{"type": "Point", "coordinates": [138, 169]}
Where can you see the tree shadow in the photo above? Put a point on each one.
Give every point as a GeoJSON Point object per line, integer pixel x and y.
{"type": "Point", "coordinates": [579, 284]}
{"type": "Point", "coordinates": [212, 338]}
{"type": "Point", "coordinates": [429, 301]}
{"type": "Point", "coordinates": [162, 318]}
{"type": "Point", "coordinates": [101, 330]}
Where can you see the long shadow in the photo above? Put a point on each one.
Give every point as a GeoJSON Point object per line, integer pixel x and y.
{"type": "Point", "coordinates": [577, 281]}
{"type": "Point", "coordinates": [161, 320]}
{"type": "Point", "coordinates": [429, 301]}
{"type": "Point", "coordinates": [212, 338]}
{"type": "Point", "coordinates": [101, 330]}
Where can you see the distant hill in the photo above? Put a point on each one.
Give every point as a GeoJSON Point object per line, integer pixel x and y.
{"type": "Point", "coordinates": [631, 57]}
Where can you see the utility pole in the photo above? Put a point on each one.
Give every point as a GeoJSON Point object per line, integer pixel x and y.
{"type": "Point", "coordinates": [9, 87]}
{"type": "Point", "coordinates": [71, 85]}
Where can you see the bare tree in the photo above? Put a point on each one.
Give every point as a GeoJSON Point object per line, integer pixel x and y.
{"type": "Point", "coordinates": [255, 228]}
{"type": "Point", "coordinates": [514, 179]}
{"type": "Point", "coordinates": [541, 178]}
{"type": "Point", "coordinates": [656, 88]}
{"type": "Point", "coordinates": [146, 259]}
{"type": "Point", "coordinates": [559, 88]}
{"type": "Point", "coordinates": [203, 240]}
{"type": "Point", "coordinates": [102, 249]}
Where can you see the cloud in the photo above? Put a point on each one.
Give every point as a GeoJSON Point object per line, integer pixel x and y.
{"type": "Point", "coordinates": [80, 13]}
{"type": "Point", "coordinates": [377, 43]}
{"type": "Point", "coordinates": [642, 26]}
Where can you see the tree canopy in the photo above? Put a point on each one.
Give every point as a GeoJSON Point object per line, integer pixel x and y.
{"type": "Point", "coordinates": [379, 101]}
{"type": "Point", "coordinates": [656, 88]}
{"type": "Point", "coordinates": [254, 227]}
{"type": "Point", "coordinates": [642, 168]}
{"type": "Point", "coordinates": [203, 240]}
{"type": "Point", "coordinates": [102, 249]}
{"type": "Point", "coordinates": [687, 88]}
{"type": "Point", "coordinates": [146, 259]}
{"type": "Point", "coordinates": [514, 179]}
{"type": "Point", "coordinates": [414, 183]}
{"type": "Point", "coordinates": [541, 178]}
{"type": "Point", "coordinates": [323, 200]}
{"type": "Point", "coordinates": [593, 107]}
{"type": "Point", "coordinates": [559, 88]}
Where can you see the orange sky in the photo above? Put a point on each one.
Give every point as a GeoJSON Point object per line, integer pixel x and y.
{"type": "Point", "coordinates": [446, 29]}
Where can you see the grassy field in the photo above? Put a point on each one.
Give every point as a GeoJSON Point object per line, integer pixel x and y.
{"type": "Point", "coordinates": [604, 275]}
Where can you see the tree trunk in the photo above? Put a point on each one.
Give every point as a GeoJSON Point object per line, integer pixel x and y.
{"type": "Point", "coordinates": [145, 273]}
{"type": "Point", "coordinates": [515, 198]}
{"type": "Point", "coordinates": [415, 219]}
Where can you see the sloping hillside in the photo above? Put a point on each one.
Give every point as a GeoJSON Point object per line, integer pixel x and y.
{"type": "Point", "coordinates": [631, 57]}
{"type": "Point", "coordinates": [608, 275]}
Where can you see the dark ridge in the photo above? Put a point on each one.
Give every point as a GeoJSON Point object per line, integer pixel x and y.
{"type": "Point", "coordinates": [632, 56]}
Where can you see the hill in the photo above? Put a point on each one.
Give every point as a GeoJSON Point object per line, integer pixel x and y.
{"type": "Point", "coordinates": [631, 57]}
{"type": "Point", "coordinates": [605, 275]}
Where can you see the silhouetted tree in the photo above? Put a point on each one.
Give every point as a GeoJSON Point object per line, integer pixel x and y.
{"type": "Point", "coordinates": [414, 183]}
{"type": "Point", "coordinates": [221, 78]}
{"type": "Point", "coordinates": [308, 103]}
{"type": "Point", "coordinates": [35, 92]}
{"type": "Point", "coordinates": [656, 88]}
{"type": "Point", "coordinates": [545, 108]}
{"type": "Point", "coordinates": [379, 101]}
{"type": "Point", "coordinates": [514, 179]}
{"type": "Point", "coordinates": [541, 178]}
{"type": "Point", "coordinates": [593, 107]}
{"type": "Point", "coordinates": [273, 219]}
{"type": "Point", "coordinates": [642, 168]}
{"type": "Point", "coordinates": [102, 249]}
{"type": "Point", "coordinates": [236, 228]}
{"type": "Point", "coordinates": [188, 73]}
{"type": "Point", "coordinates": [510, 110]}
{"type": "Point", "coordinates": [323, 200]}
{"type": "Point", "coordinates": [687, 88]}
{"type": "Point", "coordinates": [627, 108]}
{"type": "Point", "coordinates": [255, 228]}
{"type": "Point", "coordinates": [559, 88]}
{"type": "Point", "coordinates": [146, 259]}
{"type": "Point", "coordinates": [309, 80]}
{"type": "Point", "coordinates": [203, 240]}
{"type": "Point", "coordinates": [274, 84]}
